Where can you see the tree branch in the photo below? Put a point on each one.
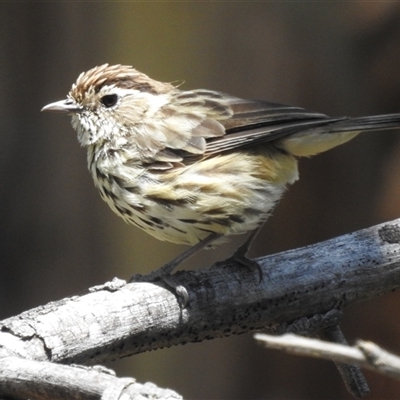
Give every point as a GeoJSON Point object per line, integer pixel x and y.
{"type": "Point", "coordinates": [29, 379]}
{"type": "Point", "coordinates": [365, 354]}
{"type": "Point", "coordinates": [119, 319]}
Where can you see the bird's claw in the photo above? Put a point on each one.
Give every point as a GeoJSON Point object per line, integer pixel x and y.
{"type": "Point", "coordinates": [180, 291]}
{"type": "Point", "coordinates": [240, 257]}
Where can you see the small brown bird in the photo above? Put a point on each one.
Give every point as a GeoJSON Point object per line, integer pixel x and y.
{"type": "Point", "coordinates": [194, 166]}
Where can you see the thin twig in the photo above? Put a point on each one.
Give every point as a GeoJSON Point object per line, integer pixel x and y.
{"type": "Point", "coordinates": [365, 354]}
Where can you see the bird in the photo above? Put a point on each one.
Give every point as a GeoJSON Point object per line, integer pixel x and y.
{"type": "Point", "coordinates": [195, 166]}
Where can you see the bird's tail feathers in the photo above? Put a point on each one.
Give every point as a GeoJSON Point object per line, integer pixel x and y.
{"type": "Point", "coordinates": [373, 122]}
{"type": "Point", "coordinates": [325, 137]}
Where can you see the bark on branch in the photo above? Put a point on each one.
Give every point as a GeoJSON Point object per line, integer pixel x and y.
{"type": "Point", "coordinates": [119, 319]}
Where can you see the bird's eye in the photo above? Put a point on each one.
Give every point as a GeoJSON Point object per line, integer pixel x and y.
{"type": "Point", "coordinates": [109, 100]}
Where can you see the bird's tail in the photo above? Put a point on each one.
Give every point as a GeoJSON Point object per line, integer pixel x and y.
{"type": "Point", "coordinates": [370, 123]}
{"type": "Point", "coordinates": [327, 136]}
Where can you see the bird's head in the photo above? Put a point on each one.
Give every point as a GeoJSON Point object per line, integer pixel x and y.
{"type": "Point", "coordinates": [110, 100]}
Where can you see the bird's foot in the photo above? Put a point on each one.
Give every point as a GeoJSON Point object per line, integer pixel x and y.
{"type": "Point", "coordinates": [169, 280]}
{"type": "Point", "coordinates": [165, 272]}
{"type": "Point", "coordinates": [240, 257]}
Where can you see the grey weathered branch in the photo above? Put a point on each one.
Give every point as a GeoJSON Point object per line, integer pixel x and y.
{"type": "Point", "coordinates": [365, 354]}
{"type": "Point", "coordinates": [119, 319]}
{"type": "Point", "coordinates": [30, 379]}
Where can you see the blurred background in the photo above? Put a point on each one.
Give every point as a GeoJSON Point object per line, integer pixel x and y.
{"type": "Point", "coordinates": [58, 238]}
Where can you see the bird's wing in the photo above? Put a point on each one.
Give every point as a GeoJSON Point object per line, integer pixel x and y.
{"type": "Point", "coordinates": [304, 133]}
{"type": "Point", "coordinates": [201, 123]}
{"type": "Point", "coordinates": [255, 122]}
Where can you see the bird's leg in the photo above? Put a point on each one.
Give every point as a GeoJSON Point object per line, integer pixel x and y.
{"type": "Point", "coordinates": [240, 255]}
{"type": "Point", "coordinates": [165, 272]}
{"type": "Point", "coordinates": [169, 267]}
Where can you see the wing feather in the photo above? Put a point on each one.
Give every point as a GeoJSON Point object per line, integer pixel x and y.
{"type": "Point", "coordinates": [204, 122]}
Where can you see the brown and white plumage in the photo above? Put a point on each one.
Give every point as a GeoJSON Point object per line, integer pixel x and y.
{"type": "Point", "coordinates": [184, 164]}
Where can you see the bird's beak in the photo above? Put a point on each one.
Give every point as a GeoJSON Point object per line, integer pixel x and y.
{"type": "Point", "coordinates": [67, 106]}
